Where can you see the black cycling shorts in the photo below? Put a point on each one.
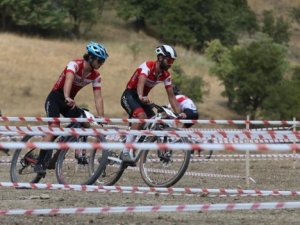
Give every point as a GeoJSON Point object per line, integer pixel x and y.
{"type": "Point", "coordinates": [190, 115]}
{"type": "Point", "coordinates": [55, 105]}
{"type": "Point", "coordinates": [131, 103]}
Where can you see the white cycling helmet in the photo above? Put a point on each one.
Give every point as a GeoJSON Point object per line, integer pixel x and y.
{"type": "Point", "coordinates": [166, 50]}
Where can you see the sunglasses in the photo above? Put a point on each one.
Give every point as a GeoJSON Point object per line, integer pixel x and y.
{"type": "Point", "coordinates": [100, 61]}
{"type": "Point", "coordinates": [169, 60]}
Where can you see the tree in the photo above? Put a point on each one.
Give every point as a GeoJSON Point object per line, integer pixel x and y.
{"type": "Point", "coordinates": [295, 13]}
{"type": "Point", "coordinates": [47, 17]}
{"type": "Point", "coordinates": [296, 73]}
{"type": "Point", "coordinates": [254, 68]}
{"type": "Point", "coordinates": [191, 22]}
{"type": "Point", "coordinates": [138, 10]}
{"type": "Point", "coordinates": [32, 16]}
{"type": "Point", "coordinates": [245, 18]}
{"type": "Point", "coordinates": [82, 11]}
{"type": "Point", "coordinates": [223, 67]}
{"type": "Point", "coordinates": [276, 28]}
{"type": "Point", "coordinates": [257, 66]}
{"type": "Point", "coordinates": [190, 86]}
{"type": "Point", "coordinates": [283, 101]}
{"type": "Point", "coordinates": [6, 9]}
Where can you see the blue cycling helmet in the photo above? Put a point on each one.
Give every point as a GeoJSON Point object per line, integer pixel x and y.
{"type": "Point", "coordinates": [97, 50]}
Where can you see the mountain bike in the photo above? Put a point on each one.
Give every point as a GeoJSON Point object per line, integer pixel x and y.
{"type": "Point", "coordinates": [71, 165]}
{"type": "Point", "coordinates": [160, 168]}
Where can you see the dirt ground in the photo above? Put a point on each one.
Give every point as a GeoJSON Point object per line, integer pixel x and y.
{"type": "Point", "coordinates": [268, 174]}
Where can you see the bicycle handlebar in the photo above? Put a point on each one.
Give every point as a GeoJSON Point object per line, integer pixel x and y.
{"type": "Point", "coordinates": [162, 109]}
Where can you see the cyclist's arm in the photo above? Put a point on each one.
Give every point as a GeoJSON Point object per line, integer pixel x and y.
{"type": "Point", "coordinates": [172, 100]}
{"type": "Point", "coordinates": [67, 90]}
{"type": "Point", "coordinates": [68, 84]}
{"type": "Point", "coordinates": [99, 102]}
{"type": "Point", "coordinates": [141, 85]}
{"type": "Point", "coordinates": [140, 89]}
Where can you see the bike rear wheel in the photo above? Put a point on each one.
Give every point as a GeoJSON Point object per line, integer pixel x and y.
{"type": "Point", "coordinates": [23, 162]}
{"type": "Point", "coordinates": [74, 166]}
{"type": "Point", "coordinates": [164, 168]}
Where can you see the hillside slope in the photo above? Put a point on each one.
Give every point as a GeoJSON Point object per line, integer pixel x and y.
{"type": "Point", "coordinates": [29, 66]}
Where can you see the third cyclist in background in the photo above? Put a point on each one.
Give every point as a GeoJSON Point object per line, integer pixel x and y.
{"type": "Point", "coordinates": [187, 106]}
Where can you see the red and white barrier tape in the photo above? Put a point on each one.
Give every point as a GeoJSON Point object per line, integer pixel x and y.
{"type": "Point", "coordinates": [122, 120]}
{"type": "Point", "coordinates": [155, 208]}
{"type": "Point", "coordinates": [214, 158]}
{"type": "Point", "coordinates": [192, 174]}
{"type": "Point", "coordinates": [226, 156]}
{"type": "Point", "coordinates": [232, 129]}
{"type": "Point", "coordinates": [15, 137]}
{"type": "Point", "coordinates": [237, 159]}
{"type": "Point", "coordinates": [153, 146]}
{"type": "Point", "coordinates": [5, 162]}
{"type": "Point", "coordinates": [117, 138]}
{"type": "Point", "coordinates": [242, 134]}
{"type": "Point", "coordinates": [134, 189]}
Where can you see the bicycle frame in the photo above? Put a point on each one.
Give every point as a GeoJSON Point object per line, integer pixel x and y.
{"type": "Point", "coordinates": [115, 166]}
{"type": "Point", "coordinates": [163, 112]}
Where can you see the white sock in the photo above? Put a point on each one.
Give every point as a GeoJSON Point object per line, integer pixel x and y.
{"type": "Point", "coordinates": [129, 139]}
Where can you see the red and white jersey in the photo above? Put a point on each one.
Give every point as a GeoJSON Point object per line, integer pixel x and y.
{"type": "Point", "coordinates": [147, 69]}
{"type": "Point", "coordinates": [76, 68]}
{"type": "Point", "coordinates": [185, 102]}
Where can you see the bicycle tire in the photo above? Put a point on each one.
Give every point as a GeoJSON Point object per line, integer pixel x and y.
{"type": "Point", "coordinates": [151, 172]}
{"type": "Point", "coordinates": [19, 164]}
{"type": "Point", "coordinates": [70, 170]}
{"type": "Point", "coordinates": [113, 170]}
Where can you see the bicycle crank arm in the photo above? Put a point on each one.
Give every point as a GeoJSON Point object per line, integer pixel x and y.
{"type": "Point", "coordinates": [114, 159]}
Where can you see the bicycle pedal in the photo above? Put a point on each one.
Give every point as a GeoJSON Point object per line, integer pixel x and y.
{"type": "Point", "coordinates": [82, 160]}
{"type": "Point", "coordinates": [131, 164]}
{"type": "Point", "coordinates": [42, 175]}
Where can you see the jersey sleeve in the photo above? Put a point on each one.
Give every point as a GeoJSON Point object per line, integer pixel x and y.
{"type": "Point", "coordinates": [144, 69]}
{"type": "Point", "coordinates": [72, 67]}
{"type": "Point", "coordinates": [168, 81]}
{"type": "Point", "coordinates": [97, 83]}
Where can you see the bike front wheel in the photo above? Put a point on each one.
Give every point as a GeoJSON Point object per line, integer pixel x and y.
{"type": "Point", "coordinates": [114, 167]}
{"type": "Point", "coordinates": [164, 168]}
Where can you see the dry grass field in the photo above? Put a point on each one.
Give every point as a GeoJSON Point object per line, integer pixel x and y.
{"type": "Point", "coordinates": [29, 66]}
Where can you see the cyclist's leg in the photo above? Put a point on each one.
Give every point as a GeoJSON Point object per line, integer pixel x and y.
{"type": "Point", "coordinates": [69, 112]}
{"type": "Point", "coordinates": [135, 109]}
{"type": "Point", "coordinates": [52, 110]}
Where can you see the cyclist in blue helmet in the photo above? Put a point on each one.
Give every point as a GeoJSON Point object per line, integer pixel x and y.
{"type": "Point", "coordinates": [61, 99]}
{"type": "Point", "coordinates": [95, 51]}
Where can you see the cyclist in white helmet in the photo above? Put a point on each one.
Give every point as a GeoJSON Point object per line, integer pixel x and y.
{"type": "Point", "coordinates": [135, 99]}
{"type": "Point", "coordinates": [61, 99]}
